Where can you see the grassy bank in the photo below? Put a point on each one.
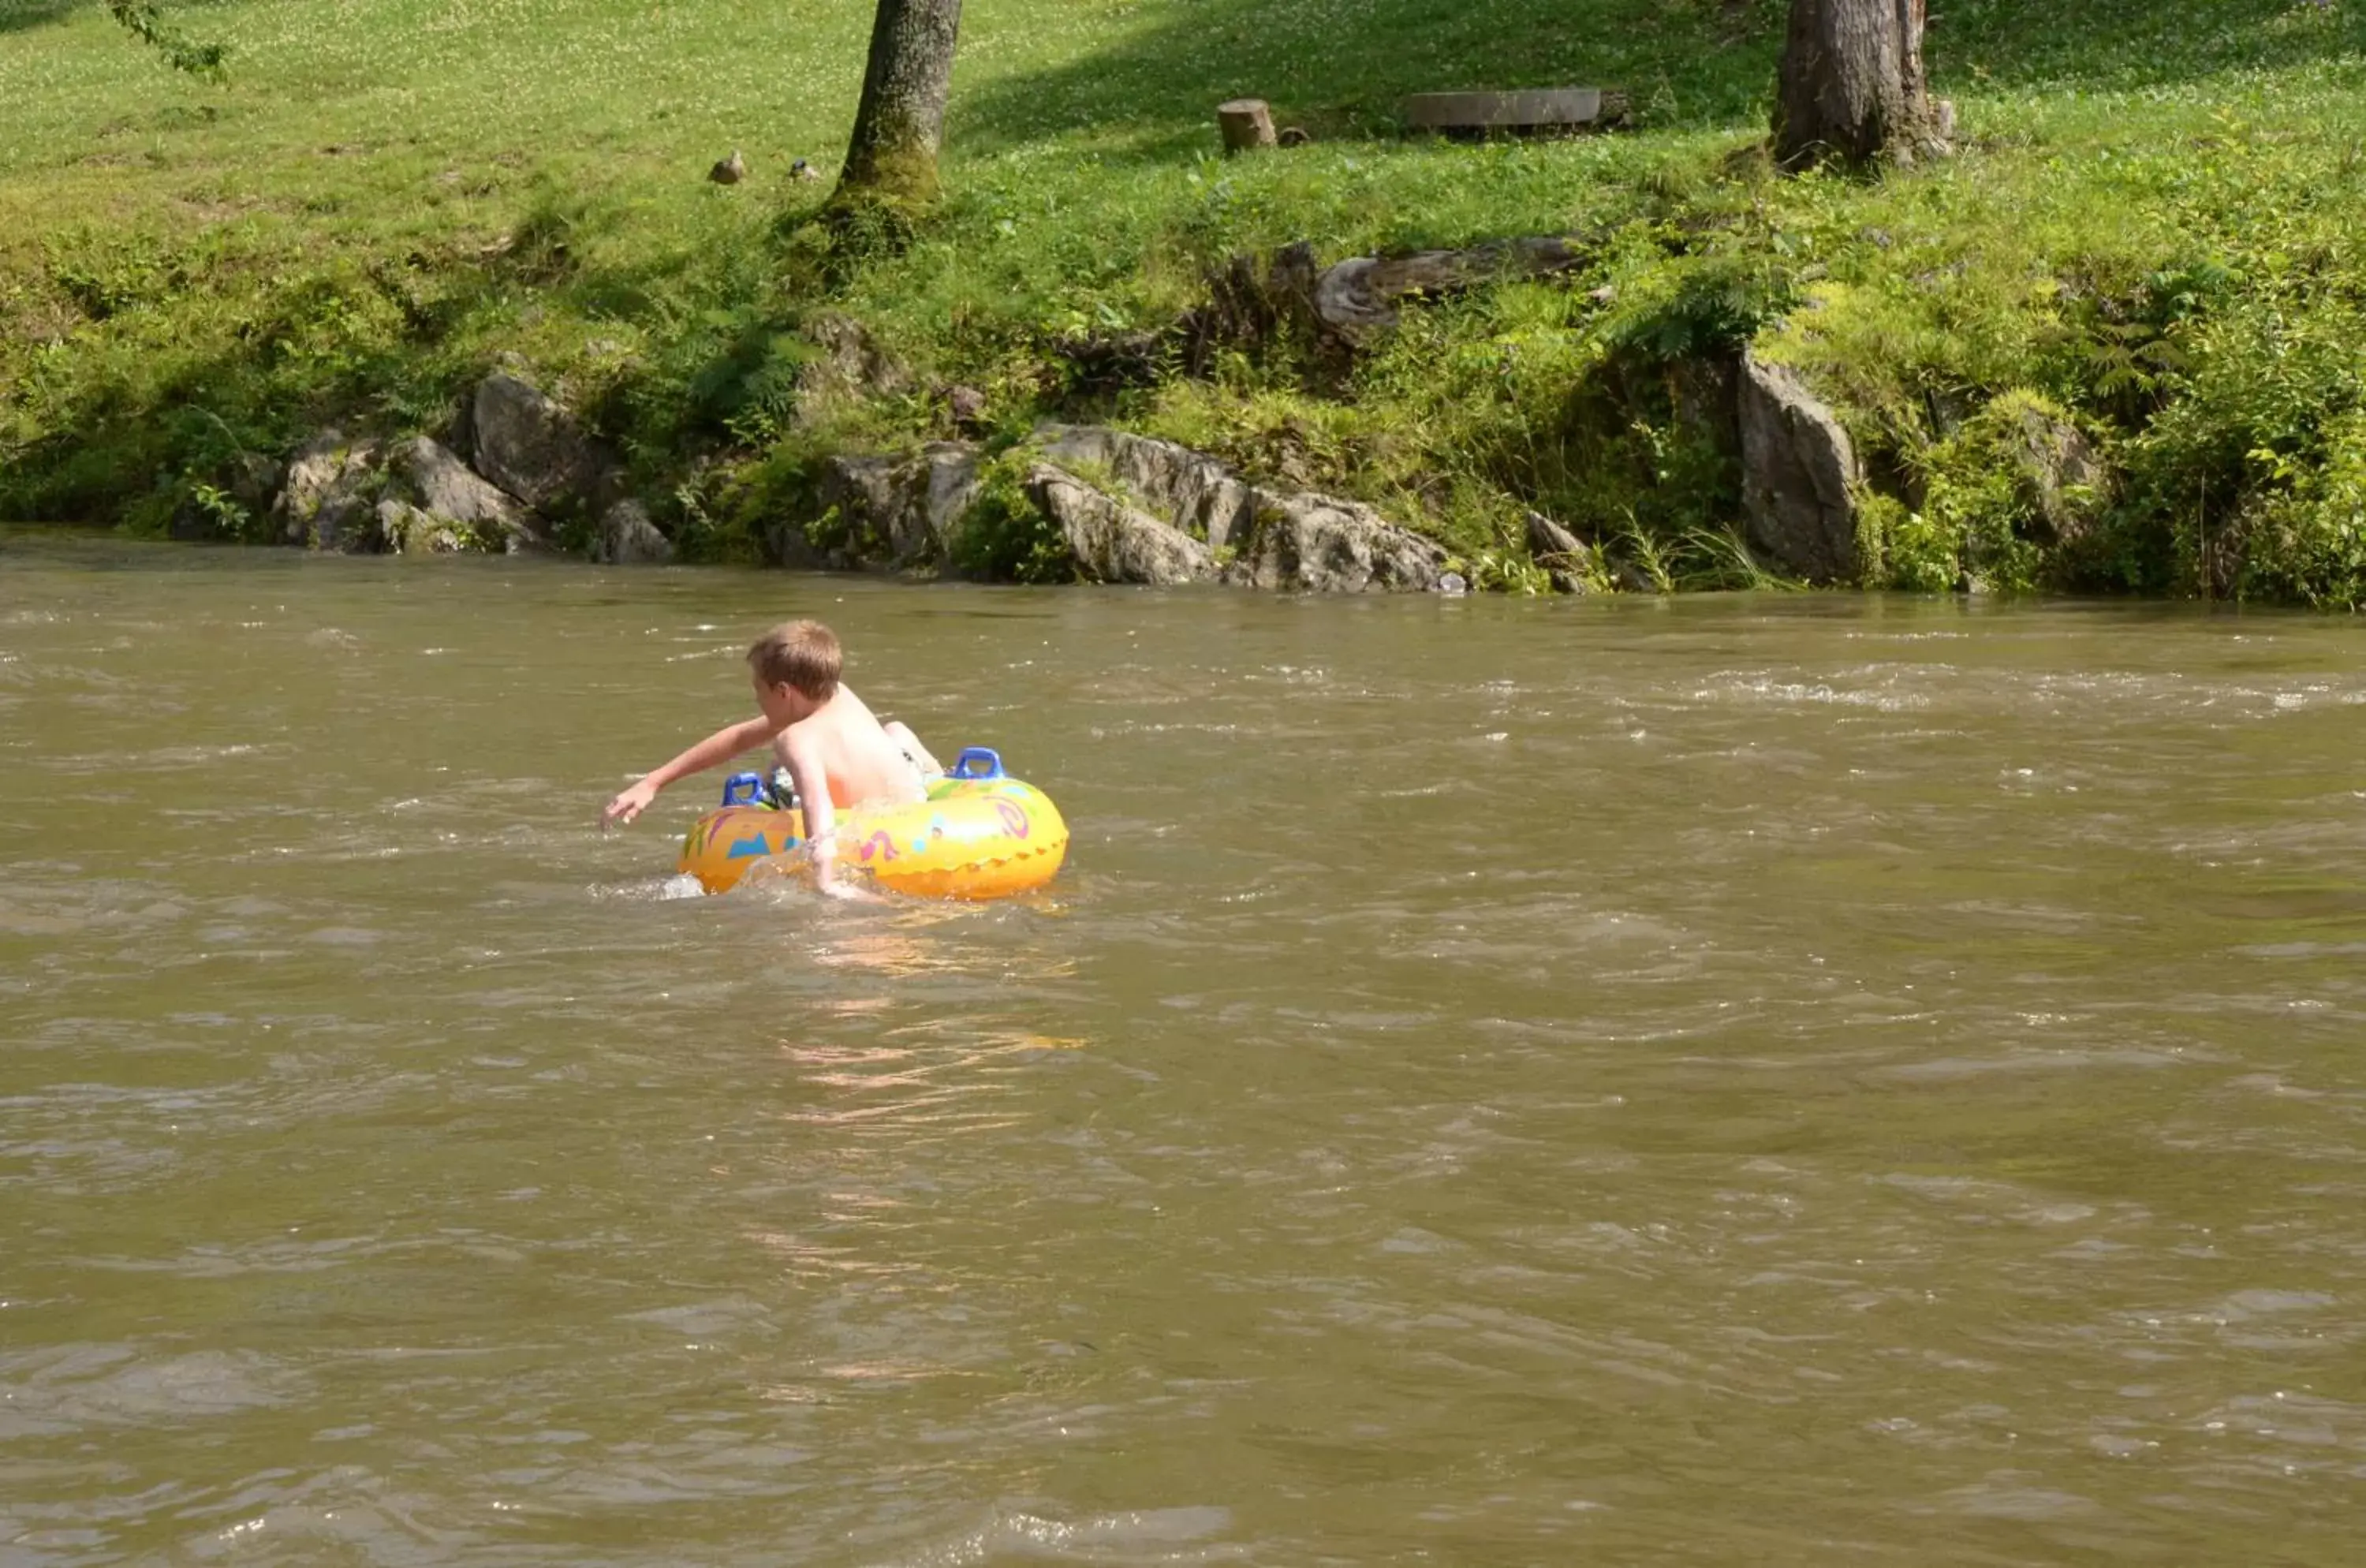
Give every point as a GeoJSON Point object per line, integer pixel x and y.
{"type": "Point", "coordinates": [2151, 235]}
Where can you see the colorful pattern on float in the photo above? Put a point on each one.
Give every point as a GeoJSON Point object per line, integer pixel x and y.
{"type": "Point", "coordinates": [980, 834]}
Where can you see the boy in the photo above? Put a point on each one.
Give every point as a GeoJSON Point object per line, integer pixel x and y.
{"type": "Point", "coordinates": [836, 754]}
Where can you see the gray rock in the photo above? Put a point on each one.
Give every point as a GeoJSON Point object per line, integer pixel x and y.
{"type": "Point", "coordinates": [1630, 578]}
{"type": "Point", "coordinates": [1548, 539]}
{"type": "Point", "coordinates": [627, 537]}
{"type": "Point", "coordinates": [1316, 543]}
{"type": "Point", "coordinates": [430, 479]}
{"type": "Point", "coordinates": [851, 351]}
{"type": "Point", "coordinates": [533, 449]}
{"type": "Point", "coordinates": [413, 497]}
{"type": "Point", "coordinates": [1797, 467]}
{"type": "Point", "coordinates": [790, 542]}
{"type": "Point", "coordinates": [1347, 303]}
{"type": "Point", "coordinates": [1705, 391]}
{"type": "Point", "coordinates": [255, 481]}
{"type": "Point", "coordinates": [409, 530]}
{"type": "Point", "coordinates": [327, 501]}
{"type": "Point", "coordinates": [1194, 491]}
{"type": "Point", "coordinates": [868, 495]}
{"type": "Point", "coordinates": [2057, 460]}
{"type": "Point", "coordinates": [903, 512]}
{"type": "Point", "coordinates": [1574, 565]}
{"type": "Point", "coordinates": [1950, 407]}
{"type": "Point", "coordinates": [1113, 542]}
{"type": "Point", "coordinates": [191, 524]}
{"type": "Point", "coordinates": [892, 512]}
{"type": "Point", "coordinates": [1294, 542]}
{"type": "Point", "coordinates": [948, 484]}
{"type": "Point", "coordinates": [851, 366]}
{"type": "Point", "coordinates": [967, 407]}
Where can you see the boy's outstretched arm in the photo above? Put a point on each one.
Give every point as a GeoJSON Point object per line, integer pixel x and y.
{"type": "Point", "coordinates": [716, 749]}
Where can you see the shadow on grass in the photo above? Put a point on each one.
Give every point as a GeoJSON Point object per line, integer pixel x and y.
{"type": "Point", "coordinates": [24, 16]}
{"type": "Point", "coordinates": [2123, 45]}
{"type": "Point", "coordinates": [1342, 68]}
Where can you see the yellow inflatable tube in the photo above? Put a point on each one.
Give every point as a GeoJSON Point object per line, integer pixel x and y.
{"type": "Point", "coordinates": [980, 834]}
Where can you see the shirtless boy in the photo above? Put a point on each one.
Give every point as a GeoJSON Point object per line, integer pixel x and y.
{"type": "Point", "coordinates": [836, 754]}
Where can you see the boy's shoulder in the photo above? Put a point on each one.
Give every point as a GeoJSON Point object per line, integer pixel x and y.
{"type": "Point", "coordinates": [825, 733]}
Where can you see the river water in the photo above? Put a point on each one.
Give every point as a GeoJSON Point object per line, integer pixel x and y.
{"type": "Point", "coordinates": [1790, 1081]}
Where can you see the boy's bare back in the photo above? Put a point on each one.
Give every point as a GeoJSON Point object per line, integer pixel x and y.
{"type": "Point", "coordinates": [842, 745]}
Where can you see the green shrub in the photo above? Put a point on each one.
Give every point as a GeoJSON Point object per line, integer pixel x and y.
{"type": "Point", "coordinates": [2010, 483]}
{"type": "Point", "coordinates": [1693, 306]}
{"type": "Point", "coordinates": [1003, 536]}
{"type": "Point", "coordinates": [748, 391]}
{"type": "Point", "coordinates": [2306, 541]}
{"type": "Point", "coordinates": [2248, 456]}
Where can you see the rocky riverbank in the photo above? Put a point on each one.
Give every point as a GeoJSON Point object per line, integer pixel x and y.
{"type": "Point", "coordinates": [530, 478]}
{"type": "Point", "coordinates": [1124, 508]}
{"type": "Point", "coordinates": [516, 472]}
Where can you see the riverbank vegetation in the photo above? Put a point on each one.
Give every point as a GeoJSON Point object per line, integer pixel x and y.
{"type": "Point", "coordinates": [2148, 239]}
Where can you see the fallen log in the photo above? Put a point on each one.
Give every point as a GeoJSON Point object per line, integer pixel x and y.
{"type": "Point", "coordinates": [1359, 297]}
{"type": "Point", "coordinates": [1545, 108]}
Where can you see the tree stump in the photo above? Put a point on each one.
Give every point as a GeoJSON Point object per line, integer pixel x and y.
{"type": "Point", "coordinates": [1246, 125]}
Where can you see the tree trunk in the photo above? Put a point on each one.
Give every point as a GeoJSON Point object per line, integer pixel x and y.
{"type": "Point", "coordinates": [893, 153]}
{"type": "Point", "coordinates": [1852, 89]}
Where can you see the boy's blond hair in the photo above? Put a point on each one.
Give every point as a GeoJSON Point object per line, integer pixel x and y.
{"type": "Point", "coordinates": [801, 655]}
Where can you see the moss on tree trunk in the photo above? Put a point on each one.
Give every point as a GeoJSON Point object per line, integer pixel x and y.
{"type": "Point", "coordinates": [891, 157]}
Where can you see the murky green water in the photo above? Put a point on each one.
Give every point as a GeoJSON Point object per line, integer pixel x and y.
{"type": "Point", "coordinates": [1768, 1081]}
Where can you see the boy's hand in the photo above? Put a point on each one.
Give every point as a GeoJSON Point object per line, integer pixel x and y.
{"type": "Point", "coordinates": [628, 804]}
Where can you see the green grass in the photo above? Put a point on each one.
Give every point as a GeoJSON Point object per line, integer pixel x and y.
{"type": "Point", "coordinates": [2150, 231]}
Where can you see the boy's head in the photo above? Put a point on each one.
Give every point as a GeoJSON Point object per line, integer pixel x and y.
{"type": "Point", "coordinates": [800, 656]}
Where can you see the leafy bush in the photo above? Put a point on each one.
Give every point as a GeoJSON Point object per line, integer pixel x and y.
{"type": "Point", "coordinates": [2237, 485]}
{"type": "Point", "coordinates": [2305, 539]}
{"type": "Point", "coordinates": [1694, 307]}
{"type": "Point", "coordinates": [1003, 537]}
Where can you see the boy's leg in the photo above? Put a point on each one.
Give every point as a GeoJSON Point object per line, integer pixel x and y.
{"type": "Point", "coordinates": [784, 793]}
{"type": "Point", "coordinates": [909, 744]}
